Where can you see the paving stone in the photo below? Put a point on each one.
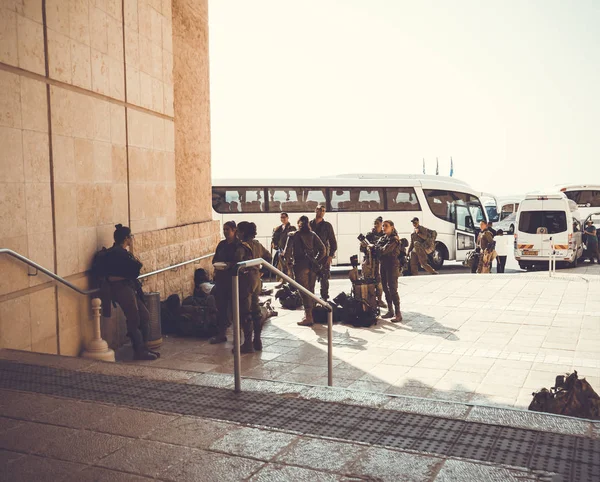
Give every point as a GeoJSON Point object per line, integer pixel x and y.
{"type": "Point", "coordinates": [385, 465]}
{"type": "Point", "coordinates": [456, 470]}
{"type": "Point", "coordinates": [29, 406]}
{"type": "Point", "coordinates": [40, 469]}
{"type": "Point", "coordinates": [211, 467]}
{"type": "Point", "coordinates": [252, 442]}
{"type": "Point", "coordinates": [191, 432]}
{"type": "Point", "coordinates": [97, 474]}
{"type": "Point", "coordinates": [145, 457]}
{"type": "Point", "coordinates": [320, 454]}
{"type": "Point", "coordinates": [7, 457]}
{"type": "Point", "coordinates": [284, 473]}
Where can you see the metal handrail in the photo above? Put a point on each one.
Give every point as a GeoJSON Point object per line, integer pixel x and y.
{"type": "Point", "coordinates": [237, 366]}
{"type": "Point", "coordinates": [49, 273]}
{"type": "Point", "coordinates": [58, 278]}
{"type": "Point", "coordinates": [178, 265]}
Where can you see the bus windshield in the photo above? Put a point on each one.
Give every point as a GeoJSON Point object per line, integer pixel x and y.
{"type": "Point", "coordinates": [443, 204]}
{"type": "Point", "coordinates": [492, 213]}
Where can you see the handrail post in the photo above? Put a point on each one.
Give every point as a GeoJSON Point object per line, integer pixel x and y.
{"type": "Point", "coordinates": [98, 349]}
{"type": "Point", "coordinates": [330, 347]}
{"type": "Point", "coordinates": [237, 365]}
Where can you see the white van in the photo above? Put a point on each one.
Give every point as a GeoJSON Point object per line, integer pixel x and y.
{"type": "Point", "coordinates": [543, 221]}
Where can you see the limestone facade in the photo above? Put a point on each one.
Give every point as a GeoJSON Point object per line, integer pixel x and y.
{"type": "Point", "coordinates": [104, 119]}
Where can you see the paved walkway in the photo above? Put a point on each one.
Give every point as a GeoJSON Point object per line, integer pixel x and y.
{"type": "Point", "coordinates": [490, 339]}
{"type": "Point", "coordinates": [75, 420]}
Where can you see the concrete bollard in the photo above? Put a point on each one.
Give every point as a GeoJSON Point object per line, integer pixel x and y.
{"type": "Point", "coordinates": [97, 349]}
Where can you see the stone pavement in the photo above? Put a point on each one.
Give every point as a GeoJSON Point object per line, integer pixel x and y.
{"type": "Point", "coordinates": [76, 420]}
{"type": "Point", "coordinates": [487, 339]}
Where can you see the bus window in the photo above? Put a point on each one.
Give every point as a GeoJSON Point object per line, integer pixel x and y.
{"type": "Point", "coordinates": [238, 200]}
{"type": "Point", "coordinates": [356, 199]}
{"type": "Point", "coordinates": [443, 203]}
{"type": "Point", "coordinates": [402, 199]}
{"type": "Point", "coordinates": [507, 210]}
{"type": "Point", "coordinates": [295, 199]}
{"type": "Point", "coordinates": [585, 198]}
{"type": "Point", "coordinates": [492, 213]}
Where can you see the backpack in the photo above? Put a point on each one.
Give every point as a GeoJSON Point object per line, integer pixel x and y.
{"type": "Point", "coordinates": [570, 396]}
{"type": "Point", "coordinates": [355, 312]}
{"type": "Point", "coordinates": [430, 241]}
{"type": "Point", "coordinates": [100, 264]}
{"type": "Point", "coordinates": [289, 299]}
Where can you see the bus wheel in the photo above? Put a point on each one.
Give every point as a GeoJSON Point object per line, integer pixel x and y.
{"type": "Point", "coordinates": [436, 259]}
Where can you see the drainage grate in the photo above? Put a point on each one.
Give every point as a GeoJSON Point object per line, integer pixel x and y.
{"type": "Point", "coordinates": [575, 458]}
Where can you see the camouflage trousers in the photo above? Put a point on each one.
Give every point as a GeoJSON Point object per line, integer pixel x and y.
{"type": "Point", "coordinates": [486, 258]}
{"type": "Point", "coordinates": [419, 257]}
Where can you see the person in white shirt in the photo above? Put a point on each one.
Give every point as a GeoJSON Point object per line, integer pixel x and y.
{"type": "Point", "coordinates": [501, 250]}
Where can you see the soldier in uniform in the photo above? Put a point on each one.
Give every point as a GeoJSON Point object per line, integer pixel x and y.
{"type": "Point", "coordinates": [122, 271]}
{"type": "Point", "coordinates": [389, 251]}
{"type": "Point", "coordinates": [324, 230]}
{"type": "Point", "coordinates": [280, 235]}
{"type": "Point", "coordinates": [486, 251]}
{"type": "Point", "coordinates": [250, 287]}
{"type": "Point", "coordinates": [370, 266]}
{"type": "Point", "coordinates": [228, 251]}
{"type": "Point", "coordinates": [418, 249]}
{"type": "Point", "coordinates": [306, 252]}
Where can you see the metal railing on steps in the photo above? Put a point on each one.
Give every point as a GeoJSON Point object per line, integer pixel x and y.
{"type": "Point", "coordinates": [237, 366]}
{"type": "Point", "coordinates": [97, 348]}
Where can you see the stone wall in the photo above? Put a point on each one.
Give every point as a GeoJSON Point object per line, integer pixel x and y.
{"type": "Point", "coordinates": [91, 135]}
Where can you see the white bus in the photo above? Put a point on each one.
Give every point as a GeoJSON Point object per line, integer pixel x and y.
{"type": "Point", "coordinates": [447, 205]}
{"type": "Point", "coordinates": [499, 208]}
{"type": "Point", "coordinates": [586, 196]}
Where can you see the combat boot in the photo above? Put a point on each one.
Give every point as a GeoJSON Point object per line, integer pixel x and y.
{"type": "Point", "coordinates": [144, 355]}
{"type": "Point", "coordinates": [307, 320]}
{"type": "Point", "coordinates": [390, 307]}
{"type": "Point", "coordinates": [247, 346]}
{"type": "Point", "coordinates": [257, 331]}
{"type": "Point", "coordinates": [398, 317]}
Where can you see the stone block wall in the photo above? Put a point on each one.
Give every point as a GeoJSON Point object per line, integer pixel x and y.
{"type": "Point", "coordinates": [91, 135]}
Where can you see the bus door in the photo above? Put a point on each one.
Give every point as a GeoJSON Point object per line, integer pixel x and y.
{"type": "Point", "coordinates": [464, 232]}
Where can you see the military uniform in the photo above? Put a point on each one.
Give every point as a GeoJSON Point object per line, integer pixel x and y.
{"type": "Point", "coordinates": [418, 252]}
{"type": "Point", "coordinates": [389, 251]}
{"type": "Point", "coordinates": [300, 248]}
{"type": "Point", "coordinates": [123, 269]}
{"type": "Point", "coordinates": [486, 255]}
{"type": "Point", "coordinates": [324, 230]}
{"type": "Point", "coordinates": [278, 241]}
{"type": "Point", "coordinates": [230, 253]}
{"type": "Point", "coordinates": [250, 288]}
{"type": "Point", "coordinates": [371, 263]}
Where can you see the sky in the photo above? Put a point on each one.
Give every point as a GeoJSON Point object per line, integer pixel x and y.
{"type": "Point", "coordinates": [508, 89]}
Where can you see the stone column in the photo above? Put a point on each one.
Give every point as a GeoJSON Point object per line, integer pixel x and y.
{"type": "Point", "coordinates": [192, 110]}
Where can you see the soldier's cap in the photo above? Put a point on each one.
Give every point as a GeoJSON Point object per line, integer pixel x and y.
{"type": "Point", "coordinates": [414, 219]}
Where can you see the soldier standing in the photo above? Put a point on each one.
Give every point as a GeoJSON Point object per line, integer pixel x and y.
{"type": "Point", "coordinates": [370, 266]}
{"type": "Point", "coordinates": [389, 250]}
{"type": "Point", "coordinates": [487, 254]}
{"type": "Point", "coordinates": [278, 241]}
{"type": "Point", "coordinates": [324, 230]}
{"type": "Point", "coordinates": [418, 249]}
{"type": "Point", "coordinates": [122, 271]}
{"type": "Point", "coordinates": [250, 287]}
{"type": "Point", "coordinates": [228, 251]}
{"type": "Point", "coordinates": [306, 251]}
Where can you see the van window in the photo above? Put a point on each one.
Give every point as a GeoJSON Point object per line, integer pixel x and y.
{"type": "Point", "coordinates": [554, 221]}
{"type": "Point", "coordinates": [238, 199]}
{"type": "Point", "coordinates": [443, 204]}
{"type": "Point", "coordinates": [402, 199]}
{"type": "Point", "coordinates": [295, 199]}
{"type": "Point", "coordinates": [585, 198]}
{"type": "Point", "coordinates": [356, 199]}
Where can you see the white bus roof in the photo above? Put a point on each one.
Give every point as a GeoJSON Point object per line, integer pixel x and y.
{"type": "Point", "coordinates": [548, 195]}
{"type": "Point", "coordinates": [571, 187]}
{"type": "Point", "coordinates": [393, 180]}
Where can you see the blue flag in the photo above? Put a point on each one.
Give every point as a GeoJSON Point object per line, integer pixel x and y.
{"type": "Point", "coordinates": [437, 167]}
{"type": "Point", "coordinates": [423, 165]}
{"type": "Point", "coordinates": [451, 167]}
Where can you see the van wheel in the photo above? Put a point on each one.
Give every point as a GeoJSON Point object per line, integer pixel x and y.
{"type": "Point", "coordinates": [511, 229]}
{"type": "Point", "coordinates": [574, 263]}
